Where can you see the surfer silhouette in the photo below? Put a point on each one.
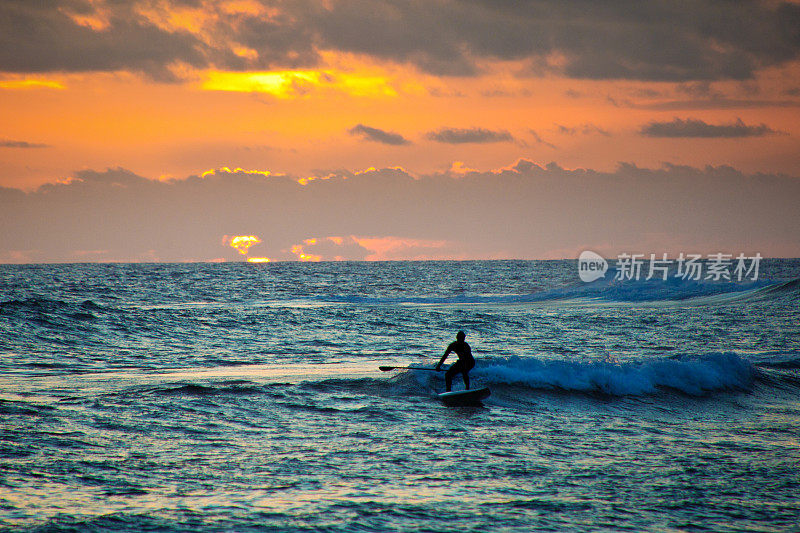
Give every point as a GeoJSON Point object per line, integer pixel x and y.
{"type": "Point", "coordinates": [464, 364]}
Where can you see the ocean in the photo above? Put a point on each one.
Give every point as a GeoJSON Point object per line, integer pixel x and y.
{"type": "Point", "coordinates": [247, 397]}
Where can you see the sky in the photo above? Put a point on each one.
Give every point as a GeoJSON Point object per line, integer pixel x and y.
{"type": "Point", "coordinates": [377, 130]}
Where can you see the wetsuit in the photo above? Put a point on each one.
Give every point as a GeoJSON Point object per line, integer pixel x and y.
{"type": "Point", "coordinates": [464, 364]}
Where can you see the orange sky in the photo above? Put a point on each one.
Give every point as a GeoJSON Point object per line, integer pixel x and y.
{"type": "Point", "coordinates": [100, 120]}
{"type": "Point", "coordinates": [305, 89]}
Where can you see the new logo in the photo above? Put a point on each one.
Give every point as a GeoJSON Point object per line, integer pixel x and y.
{"type": "Point", "coordinates": [591, 266]}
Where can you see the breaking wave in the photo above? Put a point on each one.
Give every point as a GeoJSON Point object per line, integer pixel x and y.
{"type": "Point", "coordinates": [610, 290]}
{"type": "Point", "coordinates": [690, 375]}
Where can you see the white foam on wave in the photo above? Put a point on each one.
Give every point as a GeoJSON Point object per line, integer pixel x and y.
{"type": "Point", "coordinates": [693, 375]}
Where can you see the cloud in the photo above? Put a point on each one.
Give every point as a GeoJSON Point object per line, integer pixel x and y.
{"type": "Point", "coordinates": [525, 210]}
{"type": "Point", "coordinates": [583, 129]}
{"type": "Point", "coordinates": [26, 84]}
{"type": "Point", "coordinates": [591, 40]}
{"type": "Point", "coordinates": [694, 128]}
{"type": "Point", "coordinates": [241, 243]}
{"type": "Point", "coordinates": [701, 89]}
{"type": "Point", "coordinates": [393, 248]}
{"type": "Point", "coordinates": [658, 41]}
{"type": "Point", "coordinates": [713, 103]}
{"type": "Point", "coordinates": [21, 144]}
{"type": "Point", "coordinates": [377, 135]}
{"type": "Point", "coordinates": [539, 140]}
{"type": "Point", "coordinates": [506, 93]}
{"type": "Point", "coordinates": [371, 248]}
{"type": "Point", "coordinates": [58, 36]}
{"type": "Point", "coordinates": [469, 135]}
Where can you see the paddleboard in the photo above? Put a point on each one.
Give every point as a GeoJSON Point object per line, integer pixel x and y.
{"type": "Point", "coordinates": [464, 397]}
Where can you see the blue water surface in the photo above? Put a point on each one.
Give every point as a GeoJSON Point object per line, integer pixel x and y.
{"type": "Point", "coordinates": [237, 397]}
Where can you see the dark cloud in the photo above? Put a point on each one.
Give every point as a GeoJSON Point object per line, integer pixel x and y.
{"type": "Point", "coordinates": [701, 89]}
{"type": "Point", "coordinates": [469, 135]}
{"type": "Point", "coordinates": [659, 40]}
{"type": "Point", "coordinates": [377, 135]}
{"type": "Point", "coordinates": [41, 37]}
{"type": "Point", "coordinates": [704, 95]}
{"type": "Point", "coordinates": [503, 93]}
{"type": "Point", "coordinates": [713, 103]}
{"type": "Point", "coordinates": [583, 129]}
{"type": "Point", "coordinates": [693, 128]}
{"type": "Point", "coordinates": [539, 140]}
{"type": "Point", "coordinates": [523, 211]}
{"type": "Point", "coordinates": [21, 144]}
{"type": "Point", "coordinates": [646, 93]}
{"type": "Point", "coordinates": [619, 102]}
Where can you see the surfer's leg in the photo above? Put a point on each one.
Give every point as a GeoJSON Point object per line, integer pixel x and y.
{"type": "Point", "coordinates": [454, 369]}
{"type": "Point", "coordinates": [465, 372]}
{"type": "Point", "coordinates": [449, 375]}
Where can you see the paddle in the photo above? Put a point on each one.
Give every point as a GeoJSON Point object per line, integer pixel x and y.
{"type": "Point", "coordinates": [388, 368]}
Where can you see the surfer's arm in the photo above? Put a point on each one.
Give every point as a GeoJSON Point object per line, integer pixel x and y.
{"type": "Point", "coordinates": [446, 353]}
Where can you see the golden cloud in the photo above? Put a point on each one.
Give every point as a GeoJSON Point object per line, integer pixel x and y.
{"type": "Point", "coordinates": [241, 243]}
{"type": "Point", "coordinates": [287, 84]}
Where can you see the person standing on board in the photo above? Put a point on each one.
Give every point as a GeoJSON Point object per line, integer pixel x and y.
{"type": "Point", "coordinates": [464, 364]}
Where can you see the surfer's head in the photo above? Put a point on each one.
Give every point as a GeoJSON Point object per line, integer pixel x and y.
{"type": "Point", "coordinates": [460, 336]}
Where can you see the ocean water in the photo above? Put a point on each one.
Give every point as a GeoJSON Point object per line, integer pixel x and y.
{"type": "Point", "coordinates": [239, 397]}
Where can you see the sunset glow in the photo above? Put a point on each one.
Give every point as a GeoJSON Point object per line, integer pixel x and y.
{"type": "Point", "coordinates": [301, 255]}
{"type": "Point", "coordinates": [30, 84]}
{"type": "Point", "coordinates": [279, 118]}
{"type": "Point", "coordinates": [386, 248]}
{"type": "Point", "coordinates": [295, 84]}
{"type": "Point", "coordinates": [237, 170]}
{"type": "Point", "coordinates": [241, 243]}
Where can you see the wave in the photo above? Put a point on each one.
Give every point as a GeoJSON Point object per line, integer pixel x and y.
{"type": "Point", "coordinates": [684, 374]}
{"type": "Point", "coordinates": [23, 408]}
{"type": "Point", "coordinates": [235, 387]}
{"type": "Point", "coordinates": [690, 375]}
{"type": "Point", "coordinates": [792, 364]}
{"type": "Point", "coordinates": [608, 290]}
{"type": "Point", "coordinates": [47, 304]}
{"type": "Point", "coordinates": [44, 310]}
{"type": "Point", "coordinates": [777, 289]}
{"type": "Point", "coordinates": [32, 305]}
{"type": "Point", "coordinates": [783, 359]}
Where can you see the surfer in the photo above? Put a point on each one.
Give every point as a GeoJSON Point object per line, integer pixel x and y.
{"type": "Point", "coordinates": [464, 364]}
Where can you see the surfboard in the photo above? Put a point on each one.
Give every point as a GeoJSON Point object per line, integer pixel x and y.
{"type": "Point", "coordinates": [464, 397]}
